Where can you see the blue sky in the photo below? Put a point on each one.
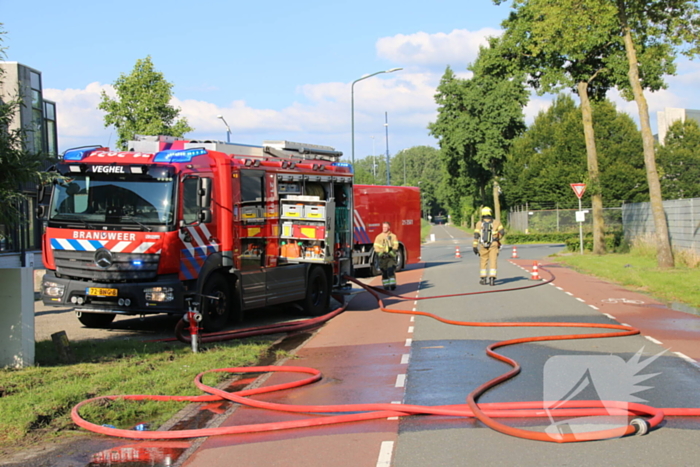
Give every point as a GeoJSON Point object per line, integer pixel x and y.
{"type": "Point", "coordinates": [274, 70]}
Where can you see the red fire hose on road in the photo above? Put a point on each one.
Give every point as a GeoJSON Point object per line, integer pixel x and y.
{"type": "Point", "coordinates": [485, 412]}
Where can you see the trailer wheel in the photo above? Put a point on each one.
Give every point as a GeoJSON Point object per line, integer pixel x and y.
{"type": "Point", "coordinates": [95, 320]}
{"type": "Point", "coordinates": [374, 265]}
{"type": "Point", "coordinates": [216, 303]}
{"type": "Point", "coordinates": [400, 258]}
{"type": "Point", "coordinates": [318, 294]}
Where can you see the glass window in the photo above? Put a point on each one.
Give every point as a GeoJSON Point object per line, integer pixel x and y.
{"type": "Point", "coordinates": [32, 240]}
{"type": "Point", "coordinates": [189, 200]}
{"type": "Point", "coordinates": [35, 80]}
{"type": "Point", "coordinates": [37, 128]}
{"type": "Point", "coordinates": [36, 99]}
{"type": "Point", "coordinates": [51, 137]}
{"type": "Point", "coordinates": [49, 111]}
{"type": "Point", "coordinates": [113, 200]}
{"type": "Point", "coordinates": [252, 185]}
{"type": "Point", "coordinates": [4, 238]}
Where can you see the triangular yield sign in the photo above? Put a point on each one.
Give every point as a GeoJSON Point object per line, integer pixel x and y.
{"type": "Point", "coordinates": [579, 189]}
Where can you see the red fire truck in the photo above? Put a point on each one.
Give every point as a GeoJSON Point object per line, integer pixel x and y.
{"type": "Point", "coordinates": [398, 205]}
{"type": "Point", "coordinates": [136, 232]}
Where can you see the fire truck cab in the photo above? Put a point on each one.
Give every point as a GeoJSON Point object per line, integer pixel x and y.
{"type": "Point", "coordinates": [135, 232]}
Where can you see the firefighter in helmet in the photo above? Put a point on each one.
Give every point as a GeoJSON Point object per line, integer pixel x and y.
{"type": "Point", "coordinates": [487, 243]}
{"type": "Point", "coordinates": [386, 245]}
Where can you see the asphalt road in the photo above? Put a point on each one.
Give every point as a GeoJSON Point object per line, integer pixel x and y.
{"type": "Point", "coordinates": [448, 362]}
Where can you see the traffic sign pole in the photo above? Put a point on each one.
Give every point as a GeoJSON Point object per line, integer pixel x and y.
{"type": "Point", "coordinates": [579, 189]}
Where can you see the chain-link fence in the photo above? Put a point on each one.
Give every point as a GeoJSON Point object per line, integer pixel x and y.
{"type": "Point", "coordinates": [559, 220]}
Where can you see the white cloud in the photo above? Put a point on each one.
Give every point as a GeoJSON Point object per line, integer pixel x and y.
{"type": "Point", "coordinates": [321, 112]}
{"type": "Point", "coordinates": [80, 123]}
{"type": "Point", "coordinates": [457, 48]}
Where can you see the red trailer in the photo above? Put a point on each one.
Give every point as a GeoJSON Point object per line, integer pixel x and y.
{"type": "Point", "coordinates": [398, 205]}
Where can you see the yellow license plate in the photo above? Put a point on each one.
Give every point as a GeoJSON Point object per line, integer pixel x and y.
{"type": "Point", "coordinates": [102, 292]}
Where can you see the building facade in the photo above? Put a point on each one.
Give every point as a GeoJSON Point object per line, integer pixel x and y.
{"type": "Point", "coordinates": [666, 117]}
{"type": "Point", "coordinates": [36, 116]}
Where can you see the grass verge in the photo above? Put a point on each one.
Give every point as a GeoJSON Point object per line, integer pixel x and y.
{"type": "Point", "coordinates": [639, 272]}
{"type": "Point", "coordinates": [35, 402]}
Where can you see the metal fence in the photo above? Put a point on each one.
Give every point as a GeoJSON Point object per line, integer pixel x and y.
{"type": "Point", "coordinates": [635, 219]}
{"type": "Point", "coordinates": [682, 215]}
{"type": "Point", "coordinates": [559, 220]}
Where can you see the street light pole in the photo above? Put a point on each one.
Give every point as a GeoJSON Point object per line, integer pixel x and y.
{"type": "Point", "coordinates": [352, 105]}
{"type": "Point", "coordinates": [228, 130]}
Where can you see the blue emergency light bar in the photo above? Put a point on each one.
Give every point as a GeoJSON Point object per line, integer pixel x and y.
{"type": "Point", "coordinates": [77, 154]}
{"type": "Point", "coordinates": [178, 155]}
{"type": "Point", "coordinates": [344, 164]}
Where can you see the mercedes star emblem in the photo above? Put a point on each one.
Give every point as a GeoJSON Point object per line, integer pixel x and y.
{"type": "Point", "coordinates": [103, 258]}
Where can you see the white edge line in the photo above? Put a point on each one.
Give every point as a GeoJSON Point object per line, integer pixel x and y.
{"type": "Point", "coordinates": [594, 307]}
{"type": "Point", "coordinates": [408, 342]}
{"type": "Point", "coordinates": [410, 329]}
{"type": "Point", "coordinates": [385, 451]}
{"type": "Point", "coordinates": [655, 341]}
{"type": "Point", "coordinates": [400, 381]}
{"type": "Point", "coordinates": [685, 357]}
{"type": "Point", "coordinates": [580, 300]}
{"type": "Point", "coordinates": [405, 358]}
{"type": "Point", "coordinates": [394, 418]}
{"type": "Point", "coordinates": [610, 316]}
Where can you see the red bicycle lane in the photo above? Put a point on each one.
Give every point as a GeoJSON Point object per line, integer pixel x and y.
{"type": "Point", "coordinates": [674, 330]}
{"type": "Point", "coordinates": [363, 355]}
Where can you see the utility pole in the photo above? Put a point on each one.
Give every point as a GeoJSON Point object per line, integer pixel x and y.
{"type": "Point", "coordinates": [386, 127]}
{"type": "Point", "coordinates": [374, 163]}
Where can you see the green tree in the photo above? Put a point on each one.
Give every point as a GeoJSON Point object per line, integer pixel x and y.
{"type": "Point", "coordinates": [652, 31]}
{"type": "Point", "coordinates": [18, 166]}
{"type": "Point", "coordinates": [142, 105]}
{"type": "Point", "coordinates": [422, 168]}
{"type": "Point", "coordinates": [459, 169]}
{"type": "Point", "coordinates": [679, 161]}
{"type": "Point", "coordinates": [551, 154]}
{"type": "Point", "coordinates": [369, 170]}
{"type": "Point", "coordinates": [478, 119]}
{"type": "Point", "coordinates": [561, 50]}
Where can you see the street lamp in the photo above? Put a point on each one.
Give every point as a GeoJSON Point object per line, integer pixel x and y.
{"type": "Point", "coordinates": [352, 104]}
{"type": "Point", "coordinates": [228, 130]}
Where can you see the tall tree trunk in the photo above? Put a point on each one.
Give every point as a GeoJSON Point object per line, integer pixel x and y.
{"type": "Point", "coordinates": [496, 201]}
{"type": "Point", "coordinates": [664, 254]}
{"type": "Point", "coordinates": [593, 176]}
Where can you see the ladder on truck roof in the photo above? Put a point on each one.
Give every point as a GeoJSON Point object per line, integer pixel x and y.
{"type": "Point", "coordinates": [304, 151]}
{"type": "Point", "coordinates": [279, 148]}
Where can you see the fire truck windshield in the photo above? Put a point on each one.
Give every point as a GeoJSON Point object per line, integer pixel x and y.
{"type": "Point", "coordinates": [113, 200]}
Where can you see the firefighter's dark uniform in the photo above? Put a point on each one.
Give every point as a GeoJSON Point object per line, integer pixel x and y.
{"type": "Point", "coordinates": [385, 247]}
{"type": "Point", "coordinates": [487, 236]}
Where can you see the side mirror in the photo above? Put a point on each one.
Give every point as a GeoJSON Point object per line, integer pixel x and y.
{"type": "Point", "coordinates": [41, 211]}
{"type": "Point", "coordinates": [204, 192]}
{"type": "Point", "coordinates": [205, 216]}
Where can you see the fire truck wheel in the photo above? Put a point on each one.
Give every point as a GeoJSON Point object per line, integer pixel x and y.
{"type": "Point", "coordinates": [216, 311]}
{"type": "Point", "coordinates": [95, 320]}
{"type": "Point", "coordinates": [318, 295]}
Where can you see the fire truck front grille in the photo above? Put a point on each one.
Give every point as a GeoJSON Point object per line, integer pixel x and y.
{"type": "Point", "coordinates": [122, 267]}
